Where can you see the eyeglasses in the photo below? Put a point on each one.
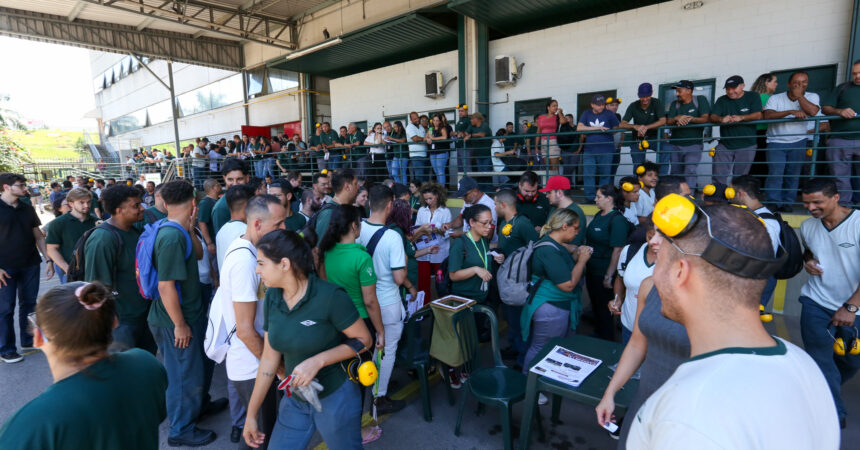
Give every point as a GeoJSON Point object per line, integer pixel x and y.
{"type": "Point", "coordinates": [487, 223]}
{"type": "Point", "coordinates": [20, 185]}
{"type": "Point", "coordinates": [32, 318]}
{"type": "Point", "coordinates": [682, 251]}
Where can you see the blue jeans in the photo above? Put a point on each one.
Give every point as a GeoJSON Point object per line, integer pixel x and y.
{"type": "Point", "coordinates": [397, 169]}
{"type": "Point", "coordinates": [637, 156]}
{"type": "Point", "coordinates": [814, 326]}
{"type": "Point", "coordinates": [484, 165]}
{"type": "Point", "coordinates": [464, 158]}
{"type": "Point", "coordinates": [339, 423]}
{"type": "Point", "coordinates": [22, 283]}
{"type": "Point", "coordinates": [60, 274]}
{"type": "Point", "coordinates": [199, 174]}
{"type": "Point", "coordinates": [419, 166]}
{"type": "Point", "coordinates": [259, 168]}
{"type": "Point", "coordinates": [595, 169]}
{"type": "Point", "coordinates": [130, 335]}
{"type": "Point", "coordinates": [186, 381]}
{"type": "Point", "coordinates": [784, 162]}
{"type": "Point", "coordinates": [440, 166]}
{"type": "Point", "coordinates": [685, 162]}
{"type": "Point", "coordinates": [768, 291]}
{"type": "Point", "coordinates": [512, 316]}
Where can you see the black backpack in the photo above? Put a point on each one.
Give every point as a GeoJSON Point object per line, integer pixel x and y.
{"type": "Point", "coordinates": [312, 222]}
{"type": "Point", "coordinates": [77, 266]}
{"type": "Point", "coordinates": [790, 244]}
{"type": "Point", "coordinates": [631, 252]}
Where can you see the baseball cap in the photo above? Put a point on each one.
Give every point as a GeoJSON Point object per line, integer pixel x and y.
{"type": "Point", "coordinates": [465, 185]}
{"type": "Point", "coordinates": [645, 90]}
{"type": "Point", "coordinates": [733, 82]}
{"type": "Point", "coordinates": [686, 84]}
{"type": "Point", "coordinates": [555, 183]}
{"type": "Point", "coordinates": [598, 99]}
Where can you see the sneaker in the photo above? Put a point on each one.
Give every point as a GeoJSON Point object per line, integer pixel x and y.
{"type": "Point", "coordinates": [454, 379]}
{"type": "Point", "coordinates": [235, 434]}
{"type": "Point", "coordinates": [385, 405]}
{"type": "Point", "coordinates": [463, 377]}
{"type": "Point", "coordinates": [542, 400]}
{"type": "Point", "coordinates": [30, 349]}
{"type": "Point", "coordinates": [11, 357]}
{"type": "Point", "coordinates": [198, 437]}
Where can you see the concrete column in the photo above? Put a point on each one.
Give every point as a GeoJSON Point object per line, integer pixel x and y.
{"type": "Point", "coordinates": [476, 49]}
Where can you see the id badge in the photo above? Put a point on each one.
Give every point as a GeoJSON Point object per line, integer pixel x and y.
{"type": "Point", "coordinates": [326, 156]}
{"type": "Point", "coordinates": [484, 286]}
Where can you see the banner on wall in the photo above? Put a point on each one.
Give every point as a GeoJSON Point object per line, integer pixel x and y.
{"type": "Point", "coordinates": [291, 128]}
{"type": "Point", "coordinates": [256, 131]}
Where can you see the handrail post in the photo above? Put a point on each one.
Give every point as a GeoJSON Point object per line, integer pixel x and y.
{"type": "Point", "coordinates": [816, 139]}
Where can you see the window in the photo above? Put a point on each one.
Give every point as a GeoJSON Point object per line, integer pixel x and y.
{"type": "Point", "coordinates": [215, 95]}
{"type": "Point", "coordinates": [583, 101]}
{"type": "Point", "coordinates": [126, 66]}
{"type": "Point", "coordinates": [117, 72]}
{"type": "Point", "coordinates": [129, 122]}
{"type": "Point", "coordinates": [160, 112]}
{"type": "Point", "coordinates": [255, 81]}
{"type": "Point", "coordinates": [362, 125]}
{"type": "Point", "coordinates": [98, 83]}
{"type": "Point", "coordinates": [525, 110]}
{"type": "Point", "coordinates": [135, 65]}
{"type": "Point", "coordinates": [281, 80]}
{"type": "Point", "coordinates": [707, 88]}
{"type": "Point", "coordinates": [822, 79]}
{"type": "Point", "coordinates": [108, 76]}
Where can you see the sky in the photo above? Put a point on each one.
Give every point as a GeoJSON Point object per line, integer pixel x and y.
{"type": "Point", "coordinates": [48, 82]}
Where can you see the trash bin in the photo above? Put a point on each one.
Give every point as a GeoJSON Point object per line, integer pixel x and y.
{"type": "Point", "coordinates": [444, 345]}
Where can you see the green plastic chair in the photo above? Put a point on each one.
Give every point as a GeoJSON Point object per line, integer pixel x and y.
{"type": "Point", "coordinates": [413, 353]}
{"type": "Point", "coordinates": [497, 385]}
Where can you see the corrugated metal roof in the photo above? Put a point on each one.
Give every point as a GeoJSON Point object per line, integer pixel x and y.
{"type": "Point", "coordinates": [402, 39]}
{"type": "Point", "coordinates": [517, 16]}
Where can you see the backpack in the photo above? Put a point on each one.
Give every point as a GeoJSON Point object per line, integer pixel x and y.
{"type": "Point", "coordinates": [514, 275]}
{"type": "Point", "coordinates": [217, 340]}
{"type": "Point", "coordinates": [374, 240]}
{"type": "Point", "coordinates": [77, 266]}
{"type": "Point", "coordinates": [789, 244]}
{"type": "Point", "coordinates": [632, 250]}
{"type": "Point", "coordinates": [145, 271]}
{"type": "Point", "coordinates": [312, 222]}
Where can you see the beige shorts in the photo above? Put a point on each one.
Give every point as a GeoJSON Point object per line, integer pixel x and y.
{"type": "Point", "coordinates": [550, 149]}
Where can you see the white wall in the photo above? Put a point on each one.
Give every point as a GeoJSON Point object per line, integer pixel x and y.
{"type": "Point", "coordinates": [659, 44]}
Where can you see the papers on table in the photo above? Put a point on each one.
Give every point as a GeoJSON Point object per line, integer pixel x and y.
{"type": "Point", "coordinates": [566, 366]}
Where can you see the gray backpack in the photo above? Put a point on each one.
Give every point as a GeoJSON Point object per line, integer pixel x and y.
{"type": "Point", "coordinates": [515, 274]}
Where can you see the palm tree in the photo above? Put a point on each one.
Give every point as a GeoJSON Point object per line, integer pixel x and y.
{"type": "Point", "coordinates": [9, 118]}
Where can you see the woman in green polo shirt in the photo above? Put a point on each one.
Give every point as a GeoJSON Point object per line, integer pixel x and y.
{"type": "Point", "coordinates": [469, 261]}
{"type": "Point", "coordinates": [310, 326]}
{"type": "Point", "coordinates": [606, 235]}
{"type": "Point", "coordinates": [557, 302]}
{"type": "Point", "coordinates": [98, 400]}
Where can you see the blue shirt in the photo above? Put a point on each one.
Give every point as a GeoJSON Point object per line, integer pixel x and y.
{"type": "Point", "coordinates": [599, 142]}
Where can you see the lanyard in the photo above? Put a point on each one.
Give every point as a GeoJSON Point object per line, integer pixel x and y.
{"type": "Point", "coordinates": [480, 255]}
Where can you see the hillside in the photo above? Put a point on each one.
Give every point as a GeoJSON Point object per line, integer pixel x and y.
{"type": "Point", "coordinates": [51, 145]}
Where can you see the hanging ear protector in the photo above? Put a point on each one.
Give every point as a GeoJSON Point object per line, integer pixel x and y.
{"type": "Point", "coordinates": [763, 315]}
{"type": "Point", "coordinates": [628, 186]}
{"type": "Point", "coordinates": [641, 184]}
{"type": "Point", "coordinates": [712, 152]}
{"type": "Point", "coordinates": [645, 143]}
{"type": "Point", "coordinates": [317, 125]}
{"type": "Point", "coordinates": [523, 199]}
{"type": "Point", "coordinates": [841, 348]}
{"type": "Point", "coordinates": [364, 373]}
{"type": "Point", "coordinates": [640, 170]}
{"type": "Point", "coordinates": [809, 152]}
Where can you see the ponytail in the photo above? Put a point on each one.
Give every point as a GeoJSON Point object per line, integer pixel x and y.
{"type": "Point", "coordinates": [78, 318]}
{"type": "Point", "coordinates": [558, 219]}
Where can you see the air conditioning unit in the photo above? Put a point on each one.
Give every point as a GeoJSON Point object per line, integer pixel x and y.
{"type": "Point", "coordinates": [433, 84]}
{"type": "Point", "coordinates": [507, 71]}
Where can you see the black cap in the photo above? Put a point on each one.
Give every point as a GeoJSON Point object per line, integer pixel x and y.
{"type": "Point", "coordinates": [686, 84]}
{"type": "Point", "coordinates": [733, 82]}
{"type": "Point", "coordinates": [465, 185]}
{"type": "Point", "coordinates": [598, 99]}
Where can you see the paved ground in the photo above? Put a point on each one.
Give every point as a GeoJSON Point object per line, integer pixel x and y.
{"type": "Point", "coordinates": [406, 429]}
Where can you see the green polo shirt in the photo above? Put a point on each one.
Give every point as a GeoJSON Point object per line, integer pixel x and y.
{"type": "Point", "coordinates": [351, 267]}
{"type": "Point", "coordinates": [220, 214]}
{"type": "Point", "coordinates": [688, 135]}
{"type": "Point", "coordinates": [330, 138]}
{"type": "Point", "coordinates": [204, 214]}
{"type": "Point", "coordinates": [169, 259]}
{"type": "Point", "coordinates": [636, 115]}
{"type": "Point", "coordinates": [537, 211]}
{"type": "Point", "coordinates": [65, 232]}
{"type": "Point", "coordinates": [90, 410]}
{"type": "Point", "coordinates": [555, 265]}
{"type": "Point", "coordinates": [102, 264]}
{"type": "Point", "coordinates": [740, 135]}
{"type": "Point", "coordinates": [580, 236]}
{"type": "Point", "coordinates": [480, 146]}
{"type": "Point", "coordinates": [463, 254]}
{"type": "Point", "coordinates": [314, 141]}
{"type": "Point", "coordinates": [323, 217]}
{"type": "Point", "coordinates": [295, 222]}
{"type": "Point", "coordinates": [315, 324]}
{"type": "Point", "coordinates": [411, 262]}
{"type": "Point", "coordinates": [604, 233]}
{"type": "Point", "coordinates": [849, 97]}
{"type": "Point", "coordinates": [463, 124]}
{"type": "Point", "coordinates": [357, 138]}
{"type": "Point", "coordinates": [522, 232]}
{"type": "Point", "coordinates": [153, 212]}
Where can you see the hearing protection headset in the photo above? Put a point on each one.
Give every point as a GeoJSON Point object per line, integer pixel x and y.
{"type": "Point", "coordinates": [628, 186]}
{"type": "Point", "coordinates": [358, 371]}
{"type": "Point", "coordinates": [463, 106]}
{"type": "Point", "coordinates": [764, 315]}
{"type": "Point", "coordinates": [523, 199]}
{"type": "Point", "coordinates": [839, 345]}
{"type": "Point", "coordinates": [317, 125]}
{"type": "Point", "coordinates": [710, 190]}
{"type": "Point", "coordinates": [675, 216]}
{"type": "Point", "coordinates": [640, 170]}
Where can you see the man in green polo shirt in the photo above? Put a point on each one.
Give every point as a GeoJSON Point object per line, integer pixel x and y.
{"type": "Point", "coordinates": [345, 185]}
{"type": "Point", "coordinates": [280, 188]}
{"type": "Point", "coordinates": [647, 115]}
{"type": "Point", "coordinates": [844, 144]}
{"type": "Point", "coordinates": [328, 149]}
{"type": "Point", "coordinates": [557, 191]}
{"type": "Point", "coordinates": [736, 150]}
{"type": "Point", "coordinates": [178, 321]}
{"type": "Point", "coordinates": [112, 263]}
{"type": "Point", "coordinates": [212, 188]}
{"type": "Point", "coordinates": [477, 140]}
{"type": "Point", "coordinates": [235, 173]}
{"type": "Point", "coordinates": [685, 146]}
{"type": "Point", "coordinates": [64, 231]}
{"type": "Point", "coordinates": [530, 202]}
{"type": "Point", "coordinates": [464, 155]}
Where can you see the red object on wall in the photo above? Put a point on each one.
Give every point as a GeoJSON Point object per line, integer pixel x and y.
{"type": "Point", "coordinates": [291, 128]}
{"type": "Point", "coordinates": [256, 131]}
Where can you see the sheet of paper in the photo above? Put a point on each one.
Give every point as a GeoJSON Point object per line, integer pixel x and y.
{"type": "Point", "coordinates": [413, 305]}
{"type": "Point", "coordinates": [566, 366]}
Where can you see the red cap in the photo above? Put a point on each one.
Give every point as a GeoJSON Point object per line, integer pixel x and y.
{"type": "Point", "coordinates": [555, 183]}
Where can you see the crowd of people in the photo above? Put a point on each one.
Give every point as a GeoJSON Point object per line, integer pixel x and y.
{"type": "Point", "coordinates": [294, 285]}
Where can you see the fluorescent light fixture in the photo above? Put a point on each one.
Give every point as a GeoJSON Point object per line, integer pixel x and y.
{"type": "Point", "coordinates": [314, 48]}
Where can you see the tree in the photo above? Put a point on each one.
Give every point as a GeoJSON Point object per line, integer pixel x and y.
{"type": "Point", "coordinates": [12, 156]}
{"type": "Point", "coordinates": [9, 118]}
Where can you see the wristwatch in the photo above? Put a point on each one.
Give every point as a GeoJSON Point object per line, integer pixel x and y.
{"type": "Point", "coordinates": [851, 308]}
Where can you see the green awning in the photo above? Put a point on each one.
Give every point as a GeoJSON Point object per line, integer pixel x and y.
{"type": "Point", "coordinates": [512, 17]}
{"type": "Point", "coordinates": [401, 39]}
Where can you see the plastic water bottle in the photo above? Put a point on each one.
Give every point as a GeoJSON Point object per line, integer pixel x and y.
{"type": "Point", "coordinates": [439, 276]}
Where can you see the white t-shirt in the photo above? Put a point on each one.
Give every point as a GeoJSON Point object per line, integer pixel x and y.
{"type": "Point", "coordinates": [788, 132]}
{"type": "Point", "coordinates": [766, 398]}
{"type": "Point", "coordinates": [497, 147]}
{"type": "Point", "coordinates": [390, 255]}
{"type": "Point", "coordinates": [203, 269]}
{"type": "Point", "coordinates": [488, 202]}
{"type": "Point", "coordinates": [773, 228]}
{"type": "Point", "coordinates": [197, 161]}
{"type": "Point", "coordinates": [645, 204]}
{"type": "Point", "coordinates": [371, 140]}
{"type": "Point", "coordinates": [240, 284]}
{"type": "Point", "coordinates": [838, 253]}
{"type": "Point", "coordinates": [631, 213]}
{"type": "Point", "coordinates": [416, 149]}
{"type": "Point", "coordinates": [438, 217]}
{"type": "Point", "coordinates": [226, 235]}
{"type": "Point", "coordinates": [636, 271]}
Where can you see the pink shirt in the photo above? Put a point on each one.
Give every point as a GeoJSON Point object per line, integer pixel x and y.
{"type": "Point", "coordinates": [547, 124]}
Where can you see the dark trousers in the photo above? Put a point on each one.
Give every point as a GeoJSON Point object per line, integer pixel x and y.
{"type": "Point", "coordinates": [22, 284]}
{"type": "Point", "coordinates": [131, 334]}
{"type": "Point", "coordinates": [600, 297]}
{"type": "Point", "coordinates": [268, 414]}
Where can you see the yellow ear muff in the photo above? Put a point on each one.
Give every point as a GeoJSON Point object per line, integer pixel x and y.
{"type": "Point", "coordinates": [855, 348]}
{"type": "Point", "coordinates": [809, 152]}
{"type": "Point", "coordinates": [367, 373]}
{"type": "Point", "coordinates": [712, 152]}
{"type": "Point", "coordinates": [640, 170]}
{"type": "Point", "coordinates": [839, 347]}
{"type": "Point", "coordinates": [674, 214]}
{"type": "Point", "coordinates": [709, 189]}
{"type": "Point", "coordinates": [765, 317]}
{"type": "Point", "coordinates": [730, 193]}
{"type": "Point", "coordinates": [324, 171]}
{"type": "Point", "coordinates": [609, 100]}
{"type": "Point", "coordinates": [641, 184]}
{"type": "Point", "coordinates": [628, 186]}
{"type": "Point", "coordinates": [317, 125]}
{"type": "Point", "coordinates": [619, 102]}
{"type": "Point", "coordinates": [645, 143]}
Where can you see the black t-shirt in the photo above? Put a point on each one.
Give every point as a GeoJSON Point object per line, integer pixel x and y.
{"type": "Point", "coordinates": [16, 233]}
